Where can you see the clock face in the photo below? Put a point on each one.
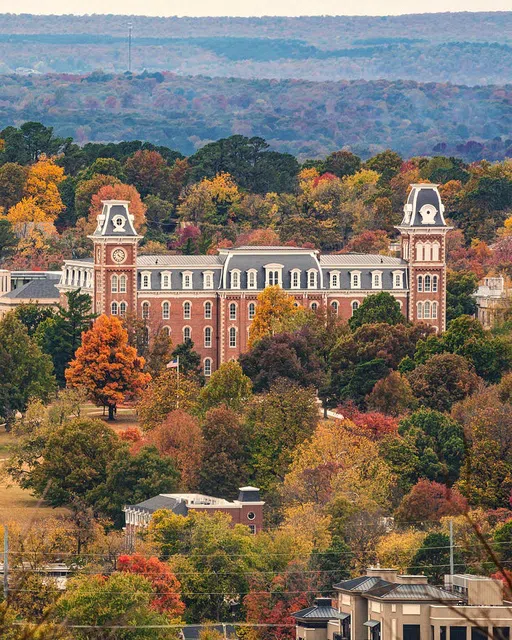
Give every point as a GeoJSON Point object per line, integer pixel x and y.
{"type": "Point", "coordinates": [119, 255]}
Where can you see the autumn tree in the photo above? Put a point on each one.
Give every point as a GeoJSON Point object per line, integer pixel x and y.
{"type": "Point", "coordinates": [210, 201]}
{"type": "Point", "coordinates": [118, 191]}
{"type": "Point", "coordinates": [379, 307]}
{"type": "Point", "coordinates": [433, 558]}
{"type": "Point", "coordinates": [392, 395]}
{"type": "Point", "coordinates": [228, 386]}
{"type": "Point", "coordinates": [86, 189]}
{"type": "Point", "coordinates": [13, 178]}
{"type": "Point", "coordinates": [460, 287]}
{"type": "Point", "coordinates": [42, 184]}
{"type": "Point", "coordinates": [8, 240]}
{"type": "Point", "coordinates": [106, 366]}
{"type": "Point", "coordinates": [159, 353]}
{"type": "Point", "coordinates": [428, 502]}
{"type": "Point", "coordinates": [397, 549]}
{"type": "Point", "coordinates": [189, 359]}
{"type": "Point", "coordinates": [274, 306]}
{"type": "Point", "coordinates": [147, 171]}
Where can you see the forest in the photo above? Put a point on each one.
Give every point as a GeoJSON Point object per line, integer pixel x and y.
{"type": "Point", "coordinates": [425, 434]}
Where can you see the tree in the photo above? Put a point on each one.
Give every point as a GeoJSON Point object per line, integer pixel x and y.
{"type": "Point", "coordinates": [121, 599]}
{"type": "Point", "coordinates": [284, 355]}
{"type": "Point", "coordinates": [387, 163]}
{"type": "Point", "coordinates": [165, 584]}
{"type": "Point", "coordinates": [164, 394]}
{"type": "Point", "coordinates": [433, 558]}
{"type": "Point", "coordinates": [31, 315]}
{"type": "Point", "coordinates": [428, 502]}
{"type": "Point", "coordinates": [131, 479]}
{"type": "Point", "coordinates": [379, 307]}
{"type": "Point", "coordinates": [118, 191]}
{"type": "Point", "coordinates": [225, 464]}
{"type": "Point", "coordinates": [25, 371]}
{"type": "Point", "coordinates": [274, 307]}
{"type": "Point", "coordinates": [86, 189]}
{"type": "Point", "coordinates": [159, 353]}
{"type": "Point", "coordinates": [443, 379]}
{"type": "Point", "coordinates": [460, 287]}
{"type": "Point", "coordinates": [392, 395]}
{"type": "Point", "coordinates": [147, 171]}
{"type": "Point", "coordinates": [42, 186]}
{"type": "Point", "coordinates": [397, 549]}
{"type": "Point", "coordinates": [106, 366]}
{"type": "Point", "coordinates": [8, 239]}
{"type": "Point", "coordinates": [342, 163]}
{"type": "Point", "coordinates": [227, 386]}
{"type": "Point", "coordinates": [64, 462]}
{"type": "Point", "coordinates": [13, 178]}
{"type": "Point", "coordinates": [210, 201]}
{"type": "Point", "coordinates": [190, 360]}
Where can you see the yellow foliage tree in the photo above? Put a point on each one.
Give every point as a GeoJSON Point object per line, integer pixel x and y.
{"type": "Point", "coordinates": [42, 185]}
{"type": "Point", "coordinates": [306, 522]}
{"type": "Point", "coordinates": [28, 217]}
{"type": "Point", "coordinates": [397, 549]}
{"type": "Point", "coordinates": [210, 201]}
{"type": "Point", "coordinates": [274, 307]}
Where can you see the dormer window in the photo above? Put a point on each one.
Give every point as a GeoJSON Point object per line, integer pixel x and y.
{"type": "Point", "coordinates": [165, 280]}
{"type": "Point", "coordinates": [273, 275]}
{"type": "Point", "coordinates": [398, 280]}
{"type": "Point", "coordinates": [187, 279]}
{"type": "Point", "coordinates": [376, 279]}
{"type": "Point", "coordinates": [312, 278]}
{"type": "Point", "coordinates": [145, 280]}
{"type": "Point", "coordinates": [335, 279]}
{"type": "Point", "coordinates": [235, 279]}
{"type": "Point", "coordinates": [208, 280]}
{"type": "Point", "coordinates": [295, 278]}
{"type": "Point", "coordinates": [355, 280]}
{"type": "Point", "coordinates": [252, 279]}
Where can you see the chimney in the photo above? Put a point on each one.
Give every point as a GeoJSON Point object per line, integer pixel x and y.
{"type": "Point", "coordinates": [383, 573]}
{"type": "Point", "coordinates": [411, 579]}
{"type": "Point", "coordinates": [323, 602]}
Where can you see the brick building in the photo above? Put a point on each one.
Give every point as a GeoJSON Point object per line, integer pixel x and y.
{"type": "Point", "coordinates": [212, 299]}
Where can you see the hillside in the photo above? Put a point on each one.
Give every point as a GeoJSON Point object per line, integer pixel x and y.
{"type": "Point", "coordinates": [308, 119]}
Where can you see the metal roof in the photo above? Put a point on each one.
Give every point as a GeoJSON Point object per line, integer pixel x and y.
{"type": "Point", "coordinates": [362, 584]}
{"type": "Point", "coordinates": [37, 289]}
{"type": "Point", "coordinates": [320, 613]}
{"type": "Point", "coordinates": [163, 260]}
{"type": "Point", "coordinates": [407, 591]}
{"type": "Point", "coordinates": [161, 502]}
{"type": "Point", "coordinates": [360, 260]}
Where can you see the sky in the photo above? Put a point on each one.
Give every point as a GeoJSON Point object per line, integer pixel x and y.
{"type": "Point", "coordinates": [251, 7]}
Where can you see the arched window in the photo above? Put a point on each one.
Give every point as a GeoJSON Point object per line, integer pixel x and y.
{"type": "Point", "coordinates": [232, 311]}
{"type": "Point", "coordinates": [166, 280]}
{"type": "Point", "coordinates": [434, 283]}
{"type": "Point", "coordinates": [208, 280]}
{"type": "Point", "coordinates": [419, 310]}
{"type": "Point", "coordinates": [145, 310]}
{"type": "Point", "coordinates": [314, 306]}
{"type": "Point", "coordinates": [427, 250]}
{"type": "Point", "coordinates": [187, 333]}
{"type": "Point", "coordinates": [167, 331]}
{"type": "Point", "coordinates": [355, 306]}
{"type": "Point", "coordinates": [187, 280]}
{"type": "Point", "coordinates": [428, 284]}
{"type": "Point", "coordinates": [335, 280]}
{"type": "Point", "coordinates": [113, 284]}
{"type": "Point", "coordinates": [420, 283]}
{"type": "Point", "coordinates": [208, 310]}
{"type": "Point", "coordinates": [376, 280]}
{"type": "Point", "coordinates": [146, 281]}
{"type": "Point", "coordinates": [419, 251]}
{"type": "Point", "coordinates": [187, 310]}
{"type": "Point", "coordinates": [122, 309]}
{"type": "Point", "coordinates": [335, 306]}
{"type": "Point", "coordinates": [273, 278]}
{"type": "Point", "coordinates": [235, 279]}
{"type": "Point", "coordinates": [122, 284]}
{"type": "Point", "coordinates": [166, 310]}
{"type": "Point", "coordinates": [426, 310]}
{"type": "Point", "coordinates": [312, 279]}
{"type": "Point", "coordinates": [355, 280]}
{"type": "Point", "coordinates": [207, 367]}
{"type": "Point", "coordinates": [251, 310]}
{"type": "Point", "coordinates": [434, 310]}
{"type": "Point", "coordinates": [252, 279]}
{"type": "Point", "coordinates": [208, 337]}
{"type": "Point", "coordinates": [113, 308]}
{"type": "Point", "coordinates": [232, 337]}
{"type": "Point", "coordinates": [435, 251]}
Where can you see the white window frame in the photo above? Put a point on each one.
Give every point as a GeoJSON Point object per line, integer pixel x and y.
{"type": "Point", "coordinates": [274, 268]}
{"type": "Point", "coordinates": [163, 276]}
{"type": "Point", "coordinates": [335, 279]}
{"type": "Point", "coordinates": [145, 314]}
{"type": "Point", "coordinates": [419, 283]}
{"type": "Point", "coordinates": [427, 310]}
{"type": "Point", "coordinates": [232, 315]}
{"type": "Point", "coordinates": [166, 310]}
{"type": "Point", "coordinates": [207, 279]}
{"type": "Point", "coordinates": [123, 280]}
{"type": "Point", "coordinates": [123, 308]}
{"type": "Point", "coordinates": [252, 278]}
{"type": "Point", "coordinates": [251, 310]}
{"type": "Point", "coordinates": [208, 314]}
{"type": "Point", "coordinates": [187, 315]}
{"type": "Point", "coordinates": [207, 367]}
{"type": "Point", "coordinates": [232, 337]}
{"type": "Point", "coordinates": [295, 274]}
{"type": "Point", "coordinates": [184, 276]}
{"type": "Point", "coordinates": [435, 283]}
{"type": "Point", "coordinates": [312, 278]}
{"type": "Point", "coordinates": [114, 308]}
{"type": "Point", "coordinates": [143, 276]}
{"type": "Point", "coordinates": [189, 330]}
{"type": "Point", "coordinates": [400, 276]}
{"type": "Point", "coordinates": [354, 305]}
{"type": "Point", "coordinates": [419, 310]}
{"type": "Point", "coordinates": [235, 278]}
{"type": "Point", "coordinates": [335, 306]}
{"type": "Point", "coordinates": [376, 279]}
{"type": "Point", "coordinates": [114, 280]}
{"type": "Point", "coordinates": [436, 249]}
{"type": "Point", "coordinates": [353, 275]}
{"type": "Point", "coordinates": [314, 306]}
{"type": "Point", "coordinates": [208, 331]}
{"type": "Point", "coordinates": [434, 310]}
{"type": "Point", "coordinates": [427, 283]}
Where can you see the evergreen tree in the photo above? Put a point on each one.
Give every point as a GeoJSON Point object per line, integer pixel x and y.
{"type": "Point", "coordinates": [190, 360]}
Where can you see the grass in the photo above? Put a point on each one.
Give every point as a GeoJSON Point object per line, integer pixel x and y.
{"type": "Point", "coordinates": [17, 504]}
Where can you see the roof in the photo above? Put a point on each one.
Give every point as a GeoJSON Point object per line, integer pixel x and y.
{"type": "Point", "coordinates": [360, 260]}
{"type": "Point", "coordinates": [255, 247]}
{"type": "Point", "coordinates": [161, 502]}
{"type": "Point", "coordinates": [423, 207]}
{"type": "Point", "coordinates": [37, 289]}
{"type": "Point", "coordinates": [406, 591]}
{"type": "Point", "coordinates": [361, 584]}
{"type": "Point", "coordinates": [320, 613]}
{"type": "Point", "coordinates": [163, 260]}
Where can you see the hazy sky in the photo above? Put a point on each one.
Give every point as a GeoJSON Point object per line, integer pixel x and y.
{"type": "Point", "coordinates": [252, 7]}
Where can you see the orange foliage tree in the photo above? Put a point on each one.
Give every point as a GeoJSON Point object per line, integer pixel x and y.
{"type": "Point", "coordinates": [119, 192]}
{"type": "Point", "coordinates": [274, 307]}
{"type": "Point", "coordinates": [106, 366]}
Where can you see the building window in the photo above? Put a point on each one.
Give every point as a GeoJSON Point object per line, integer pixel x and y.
{"type": "Point", "coordinates": [355, 278]}
{"type": "Point", "coordinates": [376, 280]}
{"type": "Point", "coordinates": [207, 367]}
{"type": "Point", "coordinates": [428, 284]}
{"type": "Point", "coordinates": [458, 633]}
{"type": "Point", "coordinates": [295, 278]}
{"type": "Point", "coordinates": [232, 337]}
{"type": "Point", "coordinates": [355, 306]}
{"type": "Point", "coordinates": [335, 280]}
{"type": "Point", "coordinates": [251, 515]}
{"type": "Point", "coordinates": [187, 310]}
{"type": "Point", "coordinates": [232, 311]}
{"type": "Point", "coordinates": [235, 279]}
{"type": "Point", "coordinates": [411, 632]}
{"type": "Point", "coordinates": [113, 284]}
{"type": "Point", "coordinates": [122, 309]}
{"type": "Point", "coordinates": [312, 279]}
{"type": "Point", "coordinates": [273, 278]}
{"type": "Point", "coordinates": [208, 337]}
{"type": "Point", "coordinates": [398, 280]}
{"type": "Point", "coordinates": [166, 311]}
{"type": "Point", "coordinates": [419, 310]}
{"type": "Point", "coordinates": [435, 251]}
{"type": "Point", "coordinates": [434, 283]}
{"type": "Point", "coordinates": [335, 306]}
{"type": "Point", "coordinates": [145, 282]}
{"type": "Point", "coordinates": [434, 310]}
{"type": "Point", "coordinates": [145, 310]}
{"type": "Point", "coordinates": [252, 528]}
{"type": "Point", "coordinates": [208, 280]}
{"type": "Point", "coordinates": [426, 310]}
{"type": "Point", "coordinates": [165, 279]}
{"type": "Point", "coordinates": [314, 306]}
{"type": "Point", "coordinates": [420, 283]}
{"type": "Point", "coordinates": [252, 279]}
{"type": "Point", "coordinates": [187, 333]}
{"type": "Point", "coordinates": [167, 331]}
{"type": "Point", "coordinates": [251, 310]}
{"type": "Point", "coordinates": [500, 633]}
{"type": "Point", "coordinates": [113, 308]}
{"type": "Point", "coordinates": [427, 252]}
{"type": "Point", "coordinates": [208, 310]}
{"type": "Point", "coordinates": [187, 280]}
{"type": "Point", "coordinates": [273, 275]}
{"type": "Point", "coordinates": [122, 284]}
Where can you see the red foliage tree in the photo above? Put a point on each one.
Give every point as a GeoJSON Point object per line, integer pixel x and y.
{"type": "Point", "coordinates": [372, 424]}
{"type": "Point", "coordinates": [430, 501]}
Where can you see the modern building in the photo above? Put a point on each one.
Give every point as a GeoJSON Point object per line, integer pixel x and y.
{"type": "Point", "coordinates": [493, 301]}
{"type": "Point", "coordinates": [384, 605]}
{"type": "Point", "coordinates": [247, 509]}
{"type": "Point", "coordinates": [24, 287]}
{"type": "Point", "coordinates": [212, 299]}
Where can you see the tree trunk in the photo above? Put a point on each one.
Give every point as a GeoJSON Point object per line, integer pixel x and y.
{"type": "Point", "coordinates": [111, 412]}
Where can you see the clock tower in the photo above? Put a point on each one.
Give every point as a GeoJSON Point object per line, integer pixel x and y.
{"type": "Point", "coordinates": [115, 260]}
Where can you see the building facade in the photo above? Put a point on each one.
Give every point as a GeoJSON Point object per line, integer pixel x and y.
{"type": "Point", "coordinates": [28, 287]}
{"type": "Point", "coordinates": [212, 299]}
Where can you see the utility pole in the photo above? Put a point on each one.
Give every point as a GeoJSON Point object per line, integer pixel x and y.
{"type": "Point", "coordinates": [130, 27]}
{"type": "Point", "coordinates": [452, 569]}
{"type": "Point", "coordinates": [6, 563]}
